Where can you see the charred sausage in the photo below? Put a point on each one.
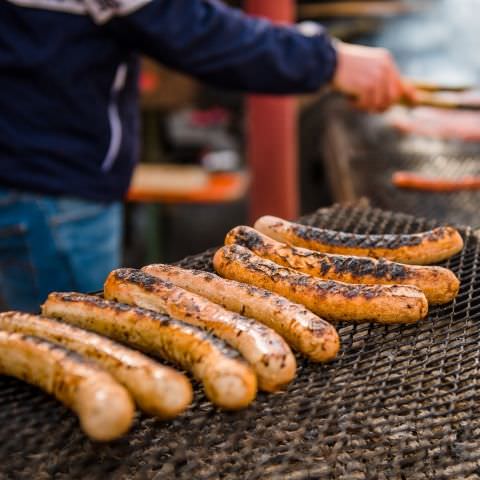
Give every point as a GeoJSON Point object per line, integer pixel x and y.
{"type": "Point", "coordinates": [416, 249]}
{"type": "Point", "coordinates": [157, 390]}
{"type": "Point", "coordinates": [303, 330]}
{"type": "Point", "coordinates": [105, 409]}
{"type": "Point", "coordinates": [331, 300]}
{"type": "Point", "coordinates": [439, 285]}
{"type": "Point", "coordinates": [267, 352]}
{"type": "Point", "coordinates": [229, 382]}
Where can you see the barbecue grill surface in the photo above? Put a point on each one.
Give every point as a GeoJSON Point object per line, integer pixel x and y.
{"type": "Point", "coordinates": [399, 402]}
{"type": "Point", "coordinates": [377, 151]}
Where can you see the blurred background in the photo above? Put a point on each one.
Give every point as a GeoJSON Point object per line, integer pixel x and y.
{"type": "Point", "coordinates": [208, 155]}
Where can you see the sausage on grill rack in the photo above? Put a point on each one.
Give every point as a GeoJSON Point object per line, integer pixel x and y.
{"type": "Point", "coordinates": [228, 381]}
{"type": "Point", "coordinates": [158, 390]}
{"type": "Point", "coordinates": [332, 300]}
{"type": "Point", "coordinates": [416, 249]}
{"type": "Point", "coordinates": [303, 330]}
{"type": "Point", "coordinates": [439, 285]}
{"type": "Point", "coordinates": [105, 409]}
{"type": "Point", "coordinates": [417, 181]}
{"type": "Point", "coordinates": [267, 352]}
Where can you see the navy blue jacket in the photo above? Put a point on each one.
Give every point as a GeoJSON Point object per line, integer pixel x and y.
{"type": "Point", "coordinates": [69, 71]}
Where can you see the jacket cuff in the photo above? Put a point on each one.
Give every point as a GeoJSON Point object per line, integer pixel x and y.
{"type": "Point", "coordinates": [326, 53]}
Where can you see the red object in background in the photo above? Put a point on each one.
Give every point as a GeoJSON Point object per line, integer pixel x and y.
{"type": "Point", "coordinates": [272, 141]}
{"type": "Point", "coordinates": [417, 181]}
{"type": "Point", "coordinates": [148, 82]}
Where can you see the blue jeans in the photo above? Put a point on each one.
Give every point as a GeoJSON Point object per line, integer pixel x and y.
{"type": "Point", "coordinates": [54, 244]}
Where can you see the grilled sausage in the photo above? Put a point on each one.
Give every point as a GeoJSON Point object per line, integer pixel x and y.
{"type": "Point", "coordinates": [158, 390]}
{"type": "Point", "coordinates": [332, 300]}
{"type": "Point", "coordinates": [303, 330]}
{"type": "Point", "coordinates": [417, 181]}
{"type": "Point", "coordinates": [416, 249]}
{"type": "Point", "coordinates": [267, 352]}
{"type": "Point", "coordinates": [229, 382]}
{"type": "Point", "coordinates": [105, 409]}
{"type": "Point", "coordinates": [439, 285]}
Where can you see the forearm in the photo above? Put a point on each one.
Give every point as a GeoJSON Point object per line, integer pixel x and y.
{"type": "Point", "coordinates": [224, 47]}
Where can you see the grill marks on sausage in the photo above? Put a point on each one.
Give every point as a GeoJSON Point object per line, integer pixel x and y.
{"type": "Point", "coordinates": [104, 407]}
{"type": "Point", "coordinates": [303, 330]}
{"type": "Point", "coordinates": [144, 314]}
{"type": "Point", "coordinates": [353, 240]}
{"type": "Point", "coordinates": [418, 249]}
{"type": "Point", "coordinates": [255, 341]}
{"type": "Point", "coordinates": [338, 264]}
{"type": "Point", "coordinates": [228, 380]}
{"type": "Point", "coordinates": [322, 288]}
{"type": "Point", "coordinates": [342, 239]}
{"type": "Point", "coordinates": [331, 300]}
{"type": "Point", "coordinates": [157, 286]}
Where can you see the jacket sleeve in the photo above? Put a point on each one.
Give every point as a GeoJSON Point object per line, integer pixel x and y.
{"type": "Point", "coordinates": [222, 45]}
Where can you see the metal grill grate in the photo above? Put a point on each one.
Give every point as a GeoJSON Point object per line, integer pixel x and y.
{"type": "Point", "coordinates": [371, 151]}
{"type": "Point", "coordinates": [454, 207]}
{"type": "Point", "coordinates": [400, 402]}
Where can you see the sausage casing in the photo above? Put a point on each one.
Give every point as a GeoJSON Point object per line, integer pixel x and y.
{"type": "Point", "coordinates": [334, 301]}
{"type": "Point", "coordinates": [105, 409]}
{"type": "Point", "coordinates": [267, 352]}
{"type": "Point", "coordinates": [416, 249]}
{"type": "Point", "coordinates": [228, 381]}
{"type": "Point", "coordinates": [440, 285]}
{"type": "Point", "coordinates": [302, 329]}
{"type": "Point", "coordinates": [157, 389]}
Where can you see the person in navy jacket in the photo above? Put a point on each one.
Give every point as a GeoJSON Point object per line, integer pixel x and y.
{"type": "Point", "coordinates": [69, 114]}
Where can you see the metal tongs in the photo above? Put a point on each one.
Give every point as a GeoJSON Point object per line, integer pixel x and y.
{"type": "Point", "coordinates": [463, 97]}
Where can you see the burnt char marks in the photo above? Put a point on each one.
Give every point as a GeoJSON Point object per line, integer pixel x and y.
{"type": "Point", "coordinates": [356, 266]}
{"type": "Point", "coordinates": [114, 308]}
{"type": "Point", "coordinates": [247, 237]}
{"type": "Point", "coordinates": [137, 277]}
{"type": "Point", "coordinates": [55, 349]}
{"type": "Point", "coordinates": [359, 267]}
{"type": "Point", "coordinates": [350, 291]}
{"type": "Point", "coordinates": [207, 276]}
{"type": "Point", "coordinates": [93, 300]}
{"type": "Point", "coordinates": [322, 288]}
{"type": "Point", "coordinates": [342, 239]}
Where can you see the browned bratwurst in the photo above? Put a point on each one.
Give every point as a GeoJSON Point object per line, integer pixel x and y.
{"type": "Point", "coordinates": [157, 389]}
{"type": "Point", "coordinates": [105, 409]}
{"type": "Point", "coordinates": [332, 300]}
{"type": "Point", "coordinates": [416, 249]}
{"type": "Point", "coordinates": [228, 381]}
{"type": "Point", "coordinates": [439, 285]}
{"type": "Point", "coordinates": [302, 329]}
{"type": "Point", "coordinates": [267, 352]}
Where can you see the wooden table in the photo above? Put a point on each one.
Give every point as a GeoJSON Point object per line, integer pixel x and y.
{"type": "Point", "coordinates": [161, 184]}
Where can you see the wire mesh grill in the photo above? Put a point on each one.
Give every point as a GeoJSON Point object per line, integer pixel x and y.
{"type": "Point", "coordinates": [454, 207]}
{"type": "Point", "coordinates": [399, 402]}
{"type": "Point", "coordinates": [377, 151]}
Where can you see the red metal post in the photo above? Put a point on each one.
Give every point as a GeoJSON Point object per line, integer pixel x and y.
{"type": "Point", "coordinates": [272, 148]}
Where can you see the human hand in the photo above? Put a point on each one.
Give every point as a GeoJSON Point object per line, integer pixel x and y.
{"type": "Point", "coordinates": [369, 75]}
